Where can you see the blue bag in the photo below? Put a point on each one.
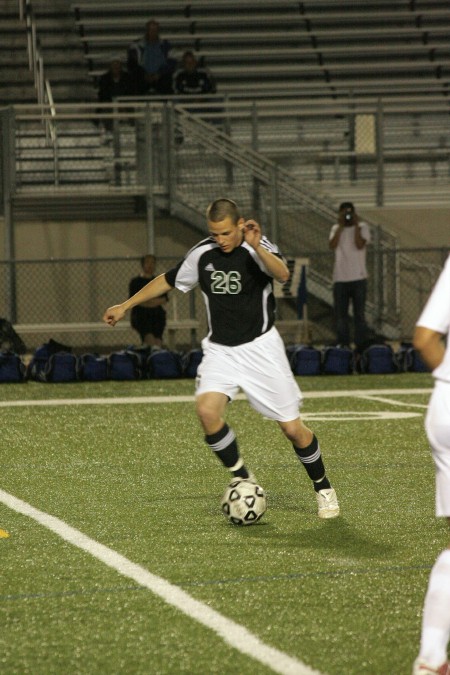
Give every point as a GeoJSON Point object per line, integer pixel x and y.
{"type": "Point", "coordinates": [338, 361]}
{"type": "Point", "coordinates": [61, 367]}
{"type": "Point", "coordinates": [378, 360]}
{"type": "Point", "coordinates": [164, 364]}
{"type": "Point", "coordinates": [36, 367]}
{"type": "Point", "coordinates": [191, 362]}
{"type": "Point", "coordinates": [12, 368]}
{"type": "Point", "coordinates": [124, 365]}
{"type": "Point", "coordinates": [93, 368]}
{"type": "Point", "coordinates": [305, 360]}
{"type": "Point", "coordinates": [409, 359]}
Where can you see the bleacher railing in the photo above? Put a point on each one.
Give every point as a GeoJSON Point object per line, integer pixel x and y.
{"type": "Point", "coordinates": [168, 153]}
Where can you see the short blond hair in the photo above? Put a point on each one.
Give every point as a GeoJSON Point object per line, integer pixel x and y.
{"type": "Point", "coordinates": [223, 208]}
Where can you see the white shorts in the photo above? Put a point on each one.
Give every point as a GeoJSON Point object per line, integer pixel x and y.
{"type": "Point", "coordinates": [437, 425]}
{"type": "Point", "coordinates": [260, 368]}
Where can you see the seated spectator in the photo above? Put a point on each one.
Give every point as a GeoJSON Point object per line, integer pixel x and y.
{"type": "Point", "coordinates": [113, 83]}
{"type": "Point", "coordinates": [190, 79]}
{"type": "Point", "coordinates": [149, 63]}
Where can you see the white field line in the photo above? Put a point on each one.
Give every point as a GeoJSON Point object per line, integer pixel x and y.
{"type": "Point", "coordinates": [234, 634]}
{"type": "Point", "coordinates": [393, 402]}
{"type": "Point", "coordinates": [190, 397]}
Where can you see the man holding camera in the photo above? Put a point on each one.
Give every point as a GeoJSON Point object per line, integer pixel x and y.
{"type": "Point", "coordinates": [348, 240]}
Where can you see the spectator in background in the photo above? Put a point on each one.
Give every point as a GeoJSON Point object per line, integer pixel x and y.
{"type": "Point", "coordinates": [348, 239]}
{"type": "Point", "coordinates": [113, 83]}
{"type": "Point", "coordinates": [148, 318]}
{"type": "Point", "coordinates": [190, 79]}
{"type": "Point", "coordinates": [149, 63]}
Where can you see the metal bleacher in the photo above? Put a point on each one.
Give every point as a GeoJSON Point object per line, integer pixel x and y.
{"type": "Point", "coordinates": [315, 48]}
{"type": "Point", "coordinates": [292, 79]}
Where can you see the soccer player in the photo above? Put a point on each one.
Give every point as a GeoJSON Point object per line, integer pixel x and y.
{"type": "Point", "coordinates": [235, 267]}
{"type": "Point", "coordinates": [432, 326]}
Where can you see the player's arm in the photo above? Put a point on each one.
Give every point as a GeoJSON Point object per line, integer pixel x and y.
{"type": "Point", "coordinates": [155, 302]}
{"type": "Point", "coordinates": [276, 267]}
{"type": "Point", "coordinates": [153, 289]}
{"type": "Point", "coordinates": [430, 345]}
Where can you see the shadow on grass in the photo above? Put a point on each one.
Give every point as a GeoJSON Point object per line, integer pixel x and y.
{"type": "Point", "coordinates": [335, 535]}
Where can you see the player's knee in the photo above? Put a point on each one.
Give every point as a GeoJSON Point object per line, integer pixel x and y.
{"type": "Point", "coordinates": [297, 432]}
{"type": "Point", "coordinates": [208, 415]}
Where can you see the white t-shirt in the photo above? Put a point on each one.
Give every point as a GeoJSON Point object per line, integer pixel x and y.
{"type": "Point", "coordinates": [350, 261]}
{"type": "Point", "coordinates": [436, 316]}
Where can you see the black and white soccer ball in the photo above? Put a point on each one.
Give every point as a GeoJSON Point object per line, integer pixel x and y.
{"type": "Point", "coordinates": [244, 502]}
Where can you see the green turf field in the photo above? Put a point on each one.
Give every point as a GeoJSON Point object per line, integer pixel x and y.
{"type": "Point", "coordinates": [342, 596]}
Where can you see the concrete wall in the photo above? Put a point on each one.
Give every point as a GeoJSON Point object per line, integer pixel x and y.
{"type": "Point", "coordinates": [418, 227]}
{"type": "Point", "coordinates": [414, 227]}
{"type": "Point", "coordinates": [37, 240]}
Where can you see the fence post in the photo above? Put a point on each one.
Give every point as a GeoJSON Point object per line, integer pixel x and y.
{"type": "Point", "coordinates": [8, 164]}
{"type": "Point", "coordinates": [227, 131]}
{"type": "Point", "coordinates": [255, 146]}
{"type": "Point", "coordinates": [150, 212]}
{"type": "Point", "coordinates": [377, 278]}
{"type": "Point", "coordinates": [380, 153]}
{"type": "Point", "coordinates": [274, 204]}
{"type": "Point", "coordinates": [171, 164]}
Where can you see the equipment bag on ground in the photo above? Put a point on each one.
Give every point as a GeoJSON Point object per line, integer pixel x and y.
{"type": "Point", "coordinates": [338, 361]}
{"type": "Point", "coordinates": [12, 368]}
{"type": "Point", "coordinates": [124, 365]}
{"type": "Point", "coordinates": [409, 359]}
{"type": "Point", "coordinates": [378, 360]}
{"type": "Point", "coordinates": [164, 364]}
{"type": "Point", "coordinates": [191, 362]}
{"type": "Point", "coordinates": [37, 366]}
{"type": "Point", "coordinates": [305, 360]}
{"type": "Point", "coordinates": [93, 368]}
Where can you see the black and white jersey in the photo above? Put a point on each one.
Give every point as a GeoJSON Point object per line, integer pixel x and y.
{"type": "Point", "coordinates": [236, 287]}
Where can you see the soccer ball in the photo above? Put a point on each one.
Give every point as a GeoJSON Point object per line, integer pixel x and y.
{"type": "Point", "coordinates": [243, 502]}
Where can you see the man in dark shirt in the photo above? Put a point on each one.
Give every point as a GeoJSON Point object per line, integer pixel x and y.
{"type": "Point", "coordinates": [235, 267]}
{"type": "Point", "coordinates": [148, 318]}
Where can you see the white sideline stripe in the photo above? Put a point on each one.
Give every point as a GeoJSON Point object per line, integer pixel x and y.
{"type": "Point", "coordinates": [351, 415]}
{"type": "Point", "coordinates": [381, 399]}
{"type": "Point", "coordinates": [190, 397]}
{"type": "Point", "coordinates": [232, 633]}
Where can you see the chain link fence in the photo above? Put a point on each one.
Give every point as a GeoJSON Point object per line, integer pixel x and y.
{"type": "Point", "coordinates": [65, 293]}
{"type": "Point", "coordinates": [166, 156]}
{"type": "Point", "coordinates": [56, 298]}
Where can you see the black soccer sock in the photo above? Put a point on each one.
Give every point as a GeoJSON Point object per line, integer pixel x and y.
{"type": "Point", "coordinates": [224, 445]}
{"type": "Point", "coordinates": [311, 459]}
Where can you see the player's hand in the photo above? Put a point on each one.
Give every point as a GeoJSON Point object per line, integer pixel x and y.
{"type": "Point", "coordinates": [252, 233]}
{"type": "Point", "coordinates": [113, 315]}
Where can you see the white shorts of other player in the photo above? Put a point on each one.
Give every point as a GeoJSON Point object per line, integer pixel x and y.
{"type": "Point", "coordinates": [437, 426]}
{"type": "Point", "coordinates": [260, 368]}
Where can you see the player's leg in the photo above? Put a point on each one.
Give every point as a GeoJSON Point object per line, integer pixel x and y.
{"type": "Point", "coordinates": [307, 449]}
{"type": "Point", "coordinates": [215, 387]}
{"type": "Point", "coordinates": [219, 436]}
{"type": "Point", "coordinates": [359, 292]}
{"type": "Point", "coordinates": [149, 340]}
{"type": "Point", "coordinates": [272, 390]}
{"type": "Point", "coordinates": [341, 300]}
{"type": "Point", "coordinates": [154, 332]}
{"type": "Point", "coordinates": [435, 634]}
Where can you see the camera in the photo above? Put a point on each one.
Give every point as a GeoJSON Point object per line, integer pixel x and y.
{"type": "Point", "coordinates": [348, 216]}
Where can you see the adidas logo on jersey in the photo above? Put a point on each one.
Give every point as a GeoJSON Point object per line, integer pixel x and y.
{"type": "Point", "coordinates": [210, 268]}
